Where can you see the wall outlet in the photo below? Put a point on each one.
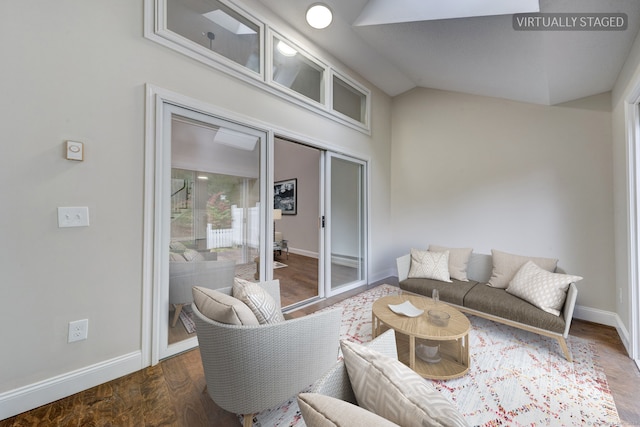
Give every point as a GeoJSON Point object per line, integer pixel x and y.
{"type": "Point", "coordinates": [78, 330]}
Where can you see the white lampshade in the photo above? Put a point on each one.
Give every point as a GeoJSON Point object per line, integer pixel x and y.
{"type": "Point", "coordinates": [277, 214]}
{"type": "Point", "coordinates": [319, 16]}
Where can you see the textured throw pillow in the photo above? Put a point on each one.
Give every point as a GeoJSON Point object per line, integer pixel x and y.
{"type": "Point", "coordinates": [429, 265]}
{"type": "Point", "coordinates": [458, 260]}
{"type": "Point", "coordinates": [324, 411]}
{"type": "Point", "coordinates": [506, 265]}
{"type": "Point", "coordinates": [192, 255]}
{"type": "Point", "coordinates": [392, 390]}
{"type": "Point", "coordinates": [177, 246]}
{"type": "Point", "coordinates": [259, 301]}
{"type": "Point", "coordinates": [541, 288]}
{"type": "Point", "coordinates": [222, 308]}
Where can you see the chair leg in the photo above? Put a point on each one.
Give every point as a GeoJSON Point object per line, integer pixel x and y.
{"type": "Point", "coordinates": [247, 420]}
{"type": "Point", "coordinates": [565, 348]}
{"type": "Point", "coordinates": [176, 315]}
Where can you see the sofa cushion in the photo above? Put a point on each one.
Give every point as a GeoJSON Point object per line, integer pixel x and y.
{"type": "Point", "coordinates": [499, 302]}
{"type": "Point", "coordinates": [506, 265]}
{"type": "Point", "coordinates": [452, 293]}
{"type": "Point", "coordinates": [392, 390]}
{"type": "Point", "coordinates": [325, 411]}
{"type": "Point", "coordinates": [458, 260]}
{"type": "Point", "coordinates": [222, 308]}
{"type": "Point", "coordinates": [429, 265]}
{"type": "Point", "coordinates": [541, 288]}
{"type": "Point", "coordinates": [259, 301]}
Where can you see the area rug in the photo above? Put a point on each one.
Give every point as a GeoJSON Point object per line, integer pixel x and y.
{"type": "Point", "coordinates": [278, 264]}
{"type": "Point", "coordinates": [186, 317]}
{"type": "Point", "coordinates": [516, 378]}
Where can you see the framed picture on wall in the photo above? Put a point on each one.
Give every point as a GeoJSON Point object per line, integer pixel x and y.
{"type": "Point", "coordinates": [285, 196]}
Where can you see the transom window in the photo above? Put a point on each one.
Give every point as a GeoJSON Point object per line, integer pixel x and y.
{"type": "Point", "coordinates": [227, 37]}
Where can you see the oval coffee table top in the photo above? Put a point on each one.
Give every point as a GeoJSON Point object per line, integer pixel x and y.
{"type": "Point", "coordinates": [420, 326]}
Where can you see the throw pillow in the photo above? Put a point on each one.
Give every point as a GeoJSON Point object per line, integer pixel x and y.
{"type": "Point", "coordinates": [259, 301]}
{"type": "Point", "coordinates": [222, 308]}
{"type": "Point", "coordinates": [458, 260]}
{"type": "Point", "coordinates": [541, 288]}
{"type": "Point", "coordinates": [506, 265]}
{"type": "Point", "coordinates": [429, 265]}
{"type": "Point", "coordinates": [392, 390]}
{"type": "Point", "coordinates": [193, 255]}
{"type": "Point", "coordinates": [324, 411]}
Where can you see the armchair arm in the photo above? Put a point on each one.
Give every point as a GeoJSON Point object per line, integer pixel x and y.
{"type": "Point", "coordinates": [252, 368]}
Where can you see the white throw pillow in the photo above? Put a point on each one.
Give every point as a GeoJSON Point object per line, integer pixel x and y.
{"type": "Point", "coordinates": [259, 301]}
{"type": "Point", "coordinates": [541, 288]}
{"type": "Point", "coordinates": [222, 308]}
{"type": "Point", "coordinates": [392, 390]}
{"type": "Point", "coordinates": [506, 265]}
{"type": "Point", "coordinates": [458, 260]}
{"type": "Point", "coordinates": [325, 411]}
{"type": "Point", "coordinates": [429, 265]}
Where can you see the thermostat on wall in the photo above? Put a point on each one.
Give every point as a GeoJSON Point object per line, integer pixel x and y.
{"type": "Point", "coordinates": [75, 150]}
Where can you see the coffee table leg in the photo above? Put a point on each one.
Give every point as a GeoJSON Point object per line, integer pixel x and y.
{"type": "Point", "coordinates": [412, 352]}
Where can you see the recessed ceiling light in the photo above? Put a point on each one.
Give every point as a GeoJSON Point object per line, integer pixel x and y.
{"type": "Point", "coordinates": [319, 16]}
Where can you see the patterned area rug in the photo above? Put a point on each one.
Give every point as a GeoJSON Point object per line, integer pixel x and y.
{"type": "Point", "coordinates": [186, 317]}
{"type": "Point", "coordinates": [517, 378]}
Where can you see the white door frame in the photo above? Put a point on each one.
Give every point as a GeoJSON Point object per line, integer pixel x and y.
{"type": "Point", "coordinates": [154, 302]}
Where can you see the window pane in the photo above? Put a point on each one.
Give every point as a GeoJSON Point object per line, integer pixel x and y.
{"type": "Point", "coordinates": [216, 27]}
{"type": "Point", "coordinates": [348, 100]}
{"type": "Point", "coordinates": [296, 72]}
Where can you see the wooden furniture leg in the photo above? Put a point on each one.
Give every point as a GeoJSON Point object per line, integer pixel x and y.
{"type": "Point", "coordinates": [176, 315]}
{"type": "Point", "coordinates": [247, 420]}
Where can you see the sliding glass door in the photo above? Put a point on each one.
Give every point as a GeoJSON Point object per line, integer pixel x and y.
{"type": "Point", "coordinates": [209, 207]}
{"type": "Point", "coordinates": [345, 223]}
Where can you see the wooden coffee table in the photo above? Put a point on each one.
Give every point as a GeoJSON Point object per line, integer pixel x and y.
{"type": "Point", "coordinates": [453, 339]}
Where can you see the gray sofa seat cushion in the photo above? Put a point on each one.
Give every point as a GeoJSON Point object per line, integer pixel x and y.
{"type": "Point", "coordinates": [500, 303]}
{"type": "Point", "coordinates": [452, 293]}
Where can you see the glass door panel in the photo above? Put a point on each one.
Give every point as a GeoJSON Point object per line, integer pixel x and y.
{"type": "Point", "coordinates": [211, 214]}
{"type": "Point", "coordinates": [346, 223]}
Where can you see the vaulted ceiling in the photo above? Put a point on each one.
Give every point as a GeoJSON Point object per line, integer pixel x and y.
{"type": "Point", "coordinates": [394, 46]}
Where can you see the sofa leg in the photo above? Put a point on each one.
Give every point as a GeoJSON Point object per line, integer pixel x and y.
{"type": "Point", "coordinates": [565, 349]}
{"type": "Point", "coordinates": [247, 420]}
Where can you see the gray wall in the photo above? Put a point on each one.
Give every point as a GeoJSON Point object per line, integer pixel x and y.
{"type": "Point", "coordinates": [473, 171]}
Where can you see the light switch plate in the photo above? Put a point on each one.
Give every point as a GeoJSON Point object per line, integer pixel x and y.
{"type": "Point", "coordinates": [75, 150]}
{"type": "Point", "coordinates": [73, 217]}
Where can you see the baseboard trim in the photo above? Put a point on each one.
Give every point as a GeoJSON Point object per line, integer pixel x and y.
{"type": "Point", "coordinates": [17, 401]}
{"type": "Point", "coordinates": [596, 315]}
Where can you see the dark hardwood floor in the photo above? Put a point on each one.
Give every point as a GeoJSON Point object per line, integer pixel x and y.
{"type": "Point", "coordinates": [172, 393]}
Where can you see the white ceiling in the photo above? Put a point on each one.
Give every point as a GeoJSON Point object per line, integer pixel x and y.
{"type": "Point", "coordinates": [481, 55]}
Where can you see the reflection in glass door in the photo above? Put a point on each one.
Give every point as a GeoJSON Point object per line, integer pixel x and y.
{"type": "Point", "coordinates": [346, 223]}
{"type": "Point", "coordinates": [211, 214]}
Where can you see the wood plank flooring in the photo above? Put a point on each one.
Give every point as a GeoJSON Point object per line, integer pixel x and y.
{"type": "Point", "coordinates": [172, 393]}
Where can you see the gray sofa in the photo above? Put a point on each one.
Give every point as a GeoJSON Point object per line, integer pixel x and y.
{"type": "Point", "coordinates": [475, 297]}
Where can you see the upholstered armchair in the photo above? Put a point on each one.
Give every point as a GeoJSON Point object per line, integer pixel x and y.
{"type": "Point", "coordinates": [250, 368]}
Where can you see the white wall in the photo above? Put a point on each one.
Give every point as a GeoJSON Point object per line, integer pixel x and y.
{"type": "Point", "coordinates": [77, 70]}
{"type": "Point", "coordinates": [472, 171]}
